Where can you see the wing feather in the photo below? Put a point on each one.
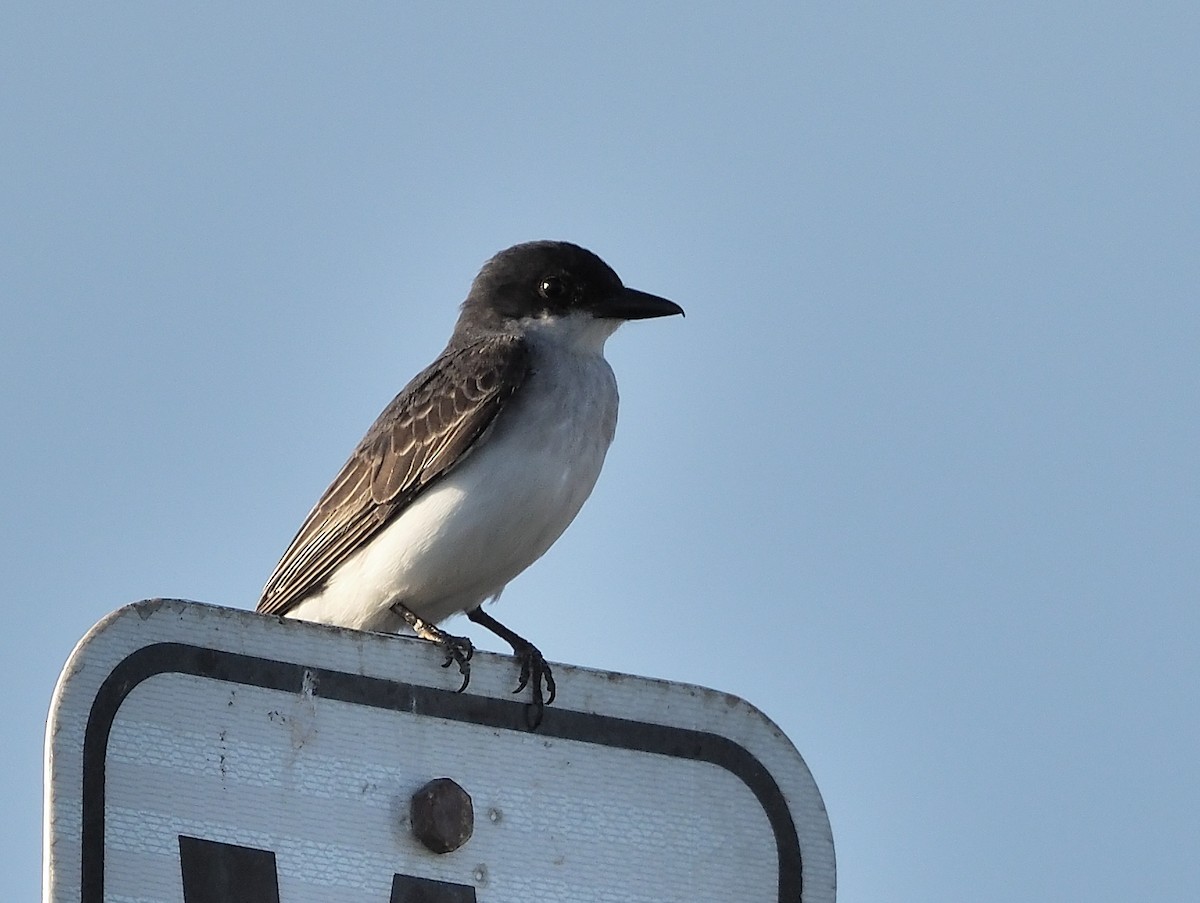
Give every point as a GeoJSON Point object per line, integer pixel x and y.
{"type": "Point", "coordinates": [422, 435]}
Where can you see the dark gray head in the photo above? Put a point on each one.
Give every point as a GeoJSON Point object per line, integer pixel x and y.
{"type": "Point", "coordinates": [546, 279]}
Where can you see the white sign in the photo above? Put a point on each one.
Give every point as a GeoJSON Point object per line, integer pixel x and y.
{"type": "Point", "coordinates": [197, 754]}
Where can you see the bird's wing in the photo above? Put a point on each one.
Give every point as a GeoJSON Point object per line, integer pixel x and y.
{"type": "Point", "coordinates": [426, 430]}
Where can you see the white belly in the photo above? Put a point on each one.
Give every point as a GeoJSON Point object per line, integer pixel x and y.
{"type": "Point", "coordinates": [493, 515]}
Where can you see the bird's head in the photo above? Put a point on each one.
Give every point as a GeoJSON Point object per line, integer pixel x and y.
{"type": "Point", "coordinates": [542, 282]}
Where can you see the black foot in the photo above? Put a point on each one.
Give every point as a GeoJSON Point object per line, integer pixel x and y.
{"type": "Point", "coordinates": [536, 674]}
{"type": "Point", "coordinates": [535, 671]}
{"type": "Point", "coordinates": [458, 649]}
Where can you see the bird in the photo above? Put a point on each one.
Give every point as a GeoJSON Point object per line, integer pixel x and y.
{"type": "Point", "coordinates": [476, 467]}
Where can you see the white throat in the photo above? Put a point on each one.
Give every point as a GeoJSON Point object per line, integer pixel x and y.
{"type": "Point", "coordinates": [578, 332]}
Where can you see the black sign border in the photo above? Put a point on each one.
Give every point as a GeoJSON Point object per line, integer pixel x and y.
{"type": "Point", "coordinates": [357, 689]}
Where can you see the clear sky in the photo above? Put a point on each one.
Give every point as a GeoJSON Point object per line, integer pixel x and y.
{"type": "Point", "coordinates": [917, 476]}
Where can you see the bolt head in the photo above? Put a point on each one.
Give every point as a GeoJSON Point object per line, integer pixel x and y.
{"type": "Point", "coordinates": [443, 817]}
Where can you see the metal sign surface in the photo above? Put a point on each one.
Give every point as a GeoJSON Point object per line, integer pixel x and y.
{"type": "Point", "coordinates": [197, 754]}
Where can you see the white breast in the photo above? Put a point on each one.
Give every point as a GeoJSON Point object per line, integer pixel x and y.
{"type": "Point", "coordinates": [499, 510]}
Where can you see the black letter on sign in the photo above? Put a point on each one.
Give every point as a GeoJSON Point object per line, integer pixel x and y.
{"type": "Point", "coordinates": [224, 873]}
{"type": "Point", "coordinates": [407, 889]}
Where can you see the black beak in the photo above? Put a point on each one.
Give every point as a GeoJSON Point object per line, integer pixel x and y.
{"type": "Point", "coordinates": [630, 304]}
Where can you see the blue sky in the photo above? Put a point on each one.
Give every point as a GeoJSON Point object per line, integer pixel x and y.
{"type": "Point", "coordinates": [916, 476]}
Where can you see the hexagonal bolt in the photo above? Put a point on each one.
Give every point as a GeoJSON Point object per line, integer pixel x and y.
{"type": "Point", "coordinates": [442, 815]}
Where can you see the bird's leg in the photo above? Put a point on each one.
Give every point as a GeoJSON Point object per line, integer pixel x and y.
{"type": "Point", "coordinates": [458, 648]}
{"type": "Point", "coordinates": [535, 672]}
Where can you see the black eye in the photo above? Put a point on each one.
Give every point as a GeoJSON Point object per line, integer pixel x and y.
{"type": "Point", "coordinates": [552, 288]}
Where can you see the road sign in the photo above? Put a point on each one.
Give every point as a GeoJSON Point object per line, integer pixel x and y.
{"type": "Point", "coordinates": [197, 754]}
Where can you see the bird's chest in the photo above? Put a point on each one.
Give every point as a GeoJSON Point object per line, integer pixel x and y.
{"type": "Point", "coordinates": [520, 487]}
{"type": "Point", "coordinates": [556, 431]}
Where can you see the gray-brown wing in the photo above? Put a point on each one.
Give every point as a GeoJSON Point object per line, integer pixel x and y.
{"type": "Point", "coordinates": [426, 430]}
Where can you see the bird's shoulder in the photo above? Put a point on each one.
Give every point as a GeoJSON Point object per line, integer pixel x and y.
{"type": "Point", "coordinates": [443, 410]}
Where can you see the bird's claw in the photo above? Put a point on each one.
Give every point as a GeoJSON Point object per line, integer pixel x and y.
{"type": "Point", "coordinates": [459, 650]}
{"type": "Point", "coordinates": [535, 674]}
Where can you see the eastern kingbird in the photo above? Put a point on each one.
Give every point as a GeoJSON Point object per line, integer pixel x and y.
{"type": "Point", "coordinates": [477, 466]}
